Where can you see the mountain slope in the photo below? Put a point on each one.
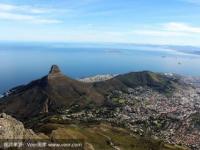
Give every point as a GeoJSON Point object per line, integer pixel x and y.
{"type": "Point", "coordinates": [155, 81]}
{"type": "Point", "coordinates": [49, 94]}
{"type": "Point", "coordinates": [55, 92]}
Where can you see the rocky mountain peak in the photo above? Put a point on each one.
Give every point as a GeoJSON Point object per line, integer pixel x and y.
{"type": "Point", "coordinates": [54, 70]}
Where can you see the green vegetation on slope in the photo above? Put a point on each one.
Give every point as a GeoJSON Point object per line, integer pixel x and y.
{"type": "Point", "coordinates": [103, 137]}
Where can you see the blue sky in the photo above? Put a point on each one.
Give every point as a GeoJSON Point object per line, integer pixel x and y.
{"type": "Point", "coordinates": [175, 22]}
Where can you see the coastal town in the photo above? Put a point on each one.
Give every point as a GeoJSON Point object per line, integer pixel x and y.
{"type": "Point", "coordinates": [174, 118]}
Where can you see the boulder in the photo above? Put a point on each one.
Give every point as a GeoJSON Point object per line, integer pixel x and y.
{"type": "Point", "coordinates": [10, 128]}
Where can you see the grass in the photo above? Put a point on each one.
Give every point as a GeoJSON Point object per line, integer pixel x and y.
{"type": "Point", "coordinates": [100, 137]}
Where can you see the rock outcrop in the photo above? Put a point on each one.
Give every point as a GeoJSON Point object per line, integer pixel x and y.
{"type": "Point", "coordinates": [54, 69]}
{"type": "Point", "coordinates": [11, 128]}
{"type": "Point", "coordinates": [54, 72]}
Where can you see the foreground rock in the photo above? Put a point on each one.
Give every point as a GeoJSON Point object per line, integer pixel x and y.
{"type": "Point", "coordinates": [10, 128]}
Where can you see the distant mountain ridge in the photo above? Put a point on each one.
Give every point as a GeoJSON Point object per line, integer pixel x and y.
{"type": "Point", "coordinates": [57, 91]}
{"type": "Point", "coordinates": [156, 81]}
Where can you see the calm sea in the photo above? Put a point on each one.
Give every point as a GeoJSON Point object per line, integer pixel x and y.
{"type": "Point", "coordinates": [24, 62]}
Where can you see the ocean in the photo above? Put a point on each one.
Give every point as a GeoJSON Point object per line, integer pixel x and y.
{"type": "Point", "coordinates": [21, 63]}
